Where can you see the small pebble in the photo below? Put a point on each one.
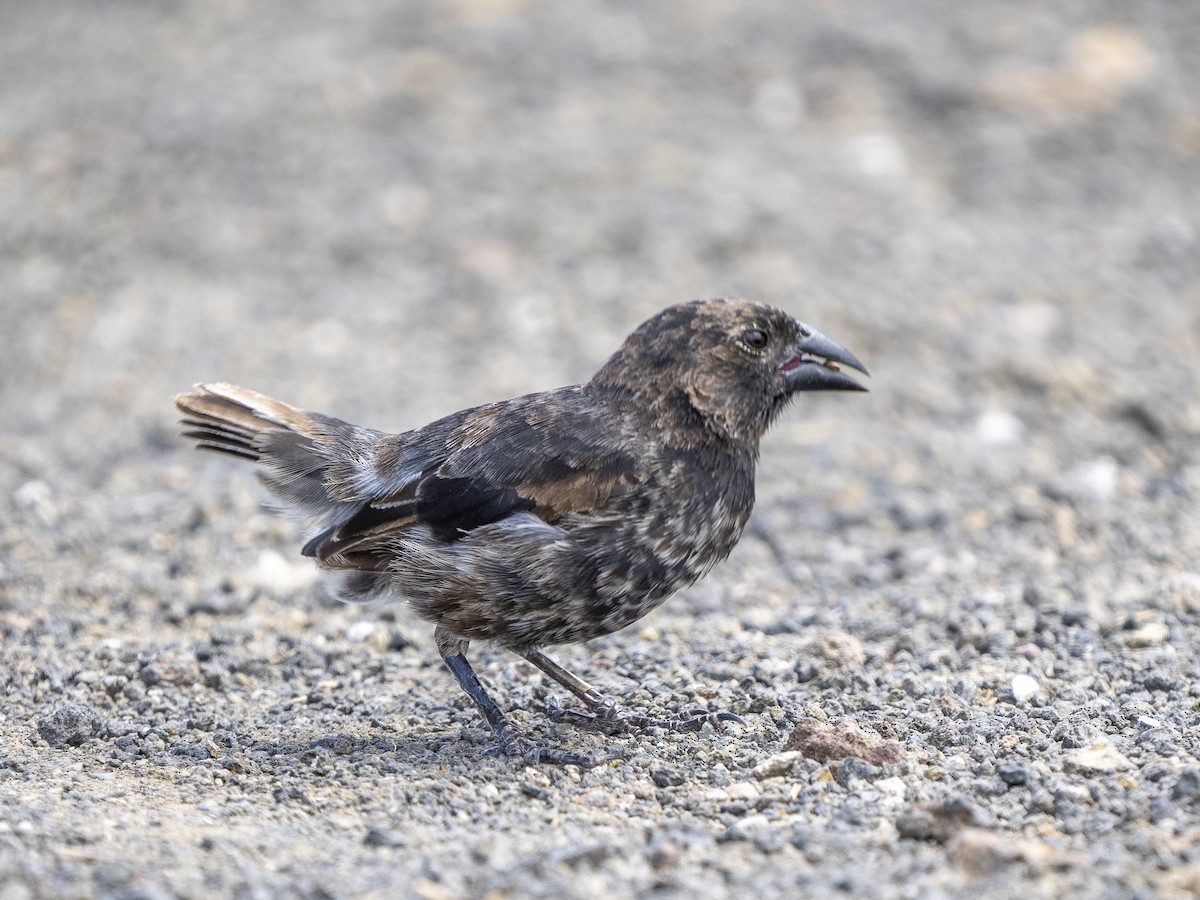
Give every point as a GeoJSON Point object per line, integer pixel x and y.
{"type": "Point", "coordinates": [1013, 773]}
{"type": "Point", "coordinates": [1024, 687]}
{"type": "Point", "coordinates": [853, 769]}
{"type": "Point", "coordinates": [743, 790]}
{"type": "Point", "coordinates": [779, 764]}
{"type": "Point", "coordinates": [997, 428]}
{"type": "Point", "coordinates": [69, 725]}
{"type": "Point", "coordinates": [1099, 758]}
{"type": "Point", "coordinates": [1187, 785]}
{"type": "Point", "coordinates": [280, 577]}
{"type": "Point", "coordinates": [1149, 635]}
{"type": "Point", "coordinates": [743, 828]}
{"type": "Point", "coordinates": [358, 632]}
{"type": "Point", "coordinates": [893, 785]}
{"type": "Point", "coordinates": [939, 821]}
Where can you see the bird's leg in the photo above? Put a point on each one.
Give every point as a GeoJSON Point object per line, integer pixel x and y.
{"type": "Point", "coordinates": [509, 741]}
{"type": "Point", "coordinates": [605, 714]}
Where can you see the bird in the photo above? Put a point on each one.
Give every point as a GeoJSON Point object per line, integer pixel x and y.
{"type": "Point", "coordinates": [550, 518]}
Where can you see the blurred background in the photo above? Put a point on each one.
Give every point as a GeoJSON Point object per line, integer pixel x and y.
{"type": "Point", "coordinates": [396, 209]}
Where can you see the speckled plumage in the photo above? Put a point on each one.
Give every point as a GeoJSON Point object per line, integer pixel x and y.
{"type": "Point", "coordinates": [549, 518]}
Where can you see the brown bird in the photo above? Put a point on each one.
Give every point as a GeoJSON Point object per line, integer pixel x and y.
{"type": "Point", "coordinates": [550, 518]}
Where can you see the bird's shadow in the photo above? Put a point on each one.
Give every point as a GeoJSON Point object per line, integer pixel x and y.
{"type": "Point", "coordinates": [385, 754]}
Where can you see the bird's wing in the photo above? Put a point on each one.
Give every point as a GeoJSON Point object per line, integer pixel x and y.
{"type": "Point", "coordinates": [530, 455]}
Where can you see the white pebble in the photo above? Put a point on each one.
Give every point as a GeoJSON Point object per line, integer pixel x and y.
{"type": "Point", "coordinates": [278, 576]}
{"type": "Point", "coordinates": [997, 428]}
{"type": "Point", "coordinates": [1101, 757]}
{"type": "Point", "coordinates": [359, 632]}
{"type": "Point", "coordinates": [1099, 477]}
{"type": "Point", "coordinates": [1149, 635]}
{"type": "Point", "coordinates": [1024, 687]}
{"type": "Point", "coordinates": [743, 790]}
{"type": "Point", "coordinates": [892, 787]}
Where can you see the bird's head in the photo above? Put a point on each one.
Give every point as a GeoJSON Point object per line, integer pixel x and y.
{"type": "Point", "coordinates": [734, 363]}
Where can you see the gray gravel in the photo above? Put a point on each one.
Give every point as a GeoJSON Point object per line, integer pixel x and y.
{"type": "Point", "coordinates": [981, 581]}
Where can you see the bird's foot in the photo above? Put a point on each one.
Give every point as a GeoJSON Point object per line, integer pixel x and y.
{"type": "Point", "coordinates": [514, 745]}
{"type": "Point", "coordinates": [608, 717]}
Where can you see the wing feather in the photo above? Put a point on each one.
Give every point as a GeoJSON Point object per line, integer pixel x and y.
{"type": "Point", "coordinates": [484, 466]}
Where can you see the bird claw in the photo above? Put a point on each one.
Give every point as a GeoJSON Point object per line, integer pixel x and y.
{"type": "Point", "coordinates": [516, 746]}
{"type": "Point", "coordinates": [695, 719]}
{"type": "Point", "coordinates": [609, 718]}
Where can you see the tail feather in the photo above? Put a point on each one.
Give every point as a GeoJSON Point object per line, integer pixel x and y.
{"type": "Point", "coordinates": [222, 442]}
{"type": "Point", "coordinates": [229, 408]}
{"type": "Point", "coordinates": [298, 450]}
{"type": "Point", "coordinates": [211, 433]}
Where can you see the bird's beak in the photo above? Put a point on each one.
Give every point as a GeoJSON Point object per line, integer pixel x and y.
{"type": "Point", "coordinates": [816, 364]}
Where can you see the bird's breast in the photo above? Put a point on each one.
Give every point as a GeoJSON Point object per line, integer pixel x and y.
{"type": "Point", "coordinates": [675, 529]}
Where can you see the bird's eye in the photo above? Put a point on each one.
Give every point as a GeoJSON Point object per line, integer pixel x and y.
{"type": "Point", "coordinates": [755, 338]}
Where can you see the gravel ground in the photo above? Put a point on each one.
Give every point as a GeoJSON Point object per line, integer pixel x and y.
{"type": "Point", "coordinates": [963, 628]}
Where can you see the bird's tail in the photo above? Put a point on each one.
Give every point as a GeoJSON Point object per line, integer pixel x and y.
{"type": "Point", "coordinates": [311, 462]}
